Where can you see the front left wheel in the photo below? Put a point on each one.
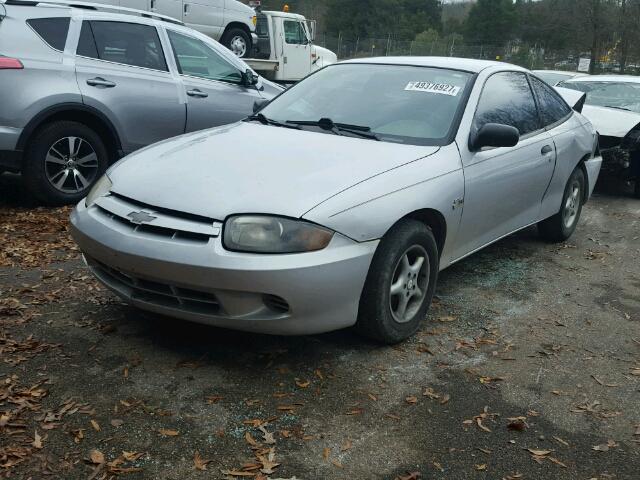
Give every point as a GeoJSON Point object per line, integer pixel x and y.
{"type": "Point", "coordinates": [400, 283]}
{"type": "Point", "coordinates": [238, 41]}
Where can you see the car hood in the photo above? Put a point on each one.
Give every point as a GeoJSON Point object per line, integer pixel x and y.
{"type": "Point", "coordinates": [611, 122]}
{"type": "Point", "coordinates": [252, 168]}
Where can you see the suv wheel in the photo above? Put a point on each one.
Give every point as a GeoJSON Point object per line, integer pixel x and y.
{"type": "Point", "coordinates": [238, 41]}
{"type": "Point", "coordinates": [63, 161]}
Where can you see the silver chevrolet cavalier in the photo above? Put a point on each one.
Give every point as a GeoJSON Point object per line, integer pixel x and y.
{"type": "Point", "coordinates": [340, 201]}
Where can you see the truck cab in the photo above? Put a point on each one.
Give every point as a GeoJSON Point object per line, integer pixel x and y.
{"type": "Point", "coordinates": [285, 51]}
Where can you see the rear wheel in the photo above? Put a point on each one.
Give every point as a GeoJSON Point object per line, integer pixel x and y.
{"type": "Point", "coordinates": [63, 161]}
{"type": "Point", "coordinates": [400, 283]}
{"type": "Point", "coordinates": [238, 41]}
{"type": "Point", "coordinates": [561, 226]}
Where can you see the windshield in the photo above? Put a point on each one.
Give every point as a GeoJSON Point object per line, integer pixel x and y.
{"type": "Point", "coordinates": [622, 95]}
{"type": "Point", "coordinates": [403, 104]}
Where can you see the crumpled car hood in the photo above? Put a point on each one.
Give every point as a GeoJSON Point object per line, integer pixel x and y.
{"type": "Point", "coordinates": [611, 122]}
{"type": "Point", "coordinates": [252, 168]}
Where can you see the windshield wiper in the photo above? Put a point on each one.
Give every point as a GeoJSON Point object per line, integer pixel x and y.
{"type": "Point", "coordinates": [619, 108]}
{"type": "Point", "coordinates": [338, 128]}
{"type": "Point", "coordinates": [267, 121]}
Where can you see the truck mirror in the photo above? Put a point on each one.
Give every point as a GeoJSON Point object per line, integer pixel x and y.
{"type": "Point", "coordinates": [312, 29]}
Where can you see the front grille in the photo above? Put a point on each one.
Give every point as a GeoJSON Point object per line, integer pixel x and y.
{"type": "Point", "coordinates": [159, 223]}
{"type": "Point", "coordinates": [158, 293]}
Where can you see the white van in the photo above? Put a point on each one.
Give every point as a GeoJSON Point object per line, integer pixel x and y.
{"type": "Point", "coordinates": [231, 22]}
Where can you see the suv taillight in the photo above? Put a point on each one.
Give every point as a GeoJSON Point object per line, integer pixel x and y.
{"type": "Point", "coordinates": [7, 63]}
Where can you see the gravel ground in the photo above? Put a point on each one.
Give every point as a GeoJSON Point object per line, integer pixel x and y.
{"type": "Point", "coordinates": [528, 367]}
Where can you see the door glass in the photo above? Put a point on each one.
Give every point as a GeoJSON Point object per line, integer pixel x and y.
{"type": "Point", "coordinates": [507, 99]}
{"type": "Point", "coordinates": [294, 33]}
{"type": "Point", "coordinates": [121, 42]}
{"type": "Point", "coordinates": [52, 30]}
{"type": "Point", "coordinates": [197, 59]}
{"type": "Point", "coordinates": [552, 107]}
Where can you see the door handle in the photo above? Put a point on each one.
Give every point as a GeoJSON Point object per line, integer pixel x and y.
{"type": "Point", "coordinates": [546, 149]}
{"type": "Point", "coordinates": [186, 9]}
{"type": "Point", "coordinates": [153, 5]}
{"type": "Point", "coordinates": [100, 82]}
{"type": "Point", "coordinates": [197, 93]}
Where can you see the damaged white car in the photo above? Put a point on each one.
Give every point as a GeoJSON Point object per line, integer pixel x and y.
{"type": "Point", "coordinates": [613, 106]}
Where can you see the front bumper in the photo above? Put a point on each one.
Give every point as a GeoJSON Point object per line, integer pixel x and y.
{"type": "Point", "coordinates": [201, 281]}
{"type": "Point", "coordinates": [593, 166]}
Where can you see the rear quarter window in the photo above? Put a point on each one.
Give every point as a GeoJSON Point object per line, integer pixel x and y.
{"type": "Point", "coordinates": [52, 30]}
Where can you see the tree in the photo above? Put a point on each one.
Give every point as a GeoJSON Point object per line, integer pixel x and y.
{"type": "Point", "coordinates": [491, 22]}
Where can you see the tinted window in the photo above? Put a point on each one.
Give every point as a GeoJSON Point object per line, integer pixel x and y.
{"type": "Point", "coordinates": [294, 33]}
{"type": "Point", "coordinates": [506, 98]}
{"type": "Point", "coordinates": [121, 42]}
{"type": "Point", "coordinates": [403, 104]}
{"type": "Point", "coordinates": [52, 30]}
{"type": "Point", "coordinates": [196, 58]}
{"type": "Point", "coordinates": [86, 43]}
{"type": "Point", "coordinates": [552, 107]}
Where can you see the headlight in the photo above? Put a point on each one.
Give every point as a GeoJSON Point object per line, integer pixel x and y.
{"type": "Point", "coordinates": [100, 188]}
{"type": "Point", "coordinates": [264, 234]}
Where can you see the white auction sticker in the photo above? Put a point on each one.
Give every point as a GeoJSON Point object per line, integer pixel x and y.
{"type": "Point", "coordinates": [430, 87]}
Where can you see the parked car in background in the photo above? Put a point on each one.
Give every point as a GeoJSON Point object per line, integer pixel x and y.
{"type": "Point", "coordinates": [553, 77]}
{"type": "Point", "coordinates": [360, 183]}
{"type": "Point", "coordinates": [82, 87]}
{"type": "Point", "coordinates": [612, 104]}
{"type": "Point", "coordinates": [231, 22]}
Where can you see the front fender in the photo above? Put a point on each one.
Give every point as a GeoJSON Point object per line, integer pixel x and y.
{"type": "Point", "coordinates": [369, 209]}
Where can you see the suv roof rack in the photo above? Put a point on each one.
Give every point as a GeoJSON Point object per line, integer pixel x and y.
{"type": "Point", "coordinates": [93, 6]}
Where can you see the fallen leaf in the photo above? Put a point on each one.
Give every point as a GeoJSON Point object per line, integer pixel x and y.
{"type": "Point", "coordinates": [37, 440]}
{"type": "Point", "coordinates": [96, 456]}
{"type": "Point", "coordinates": [116, 422]}
{"type": "Point", "coordinates": [346, 446]}
{"type": "Point", "coordinates": [95, 425]}
{"type": "Point", "coordinates": [267, 436]}
{"type": "Point", "coordinates": [482, 467]}
{"type": "Point", "coordinates": [336, 463]}
{"type": "Point", "coordinates": [559, 440]}
{"type": "Point", "coordinates": [539, 453]}
{"type": "Point", "coordinates": [131, 456]}
{"type": "Point", "coordinates": [303, 383]}
{"type": "Point", "coordinates": [409, 476]}
{"type": "Point", "coordinates": [448, 318]}
{"type": "Point", "coordinates": [198, 462]}
{"type": "Point", "coordinates": [445, 399]}
{"type": "Point", "coordinates": [250, 440]}
{"type": "Point", "coordinates": [556, 461]}
{"type": "Point", "coordinates": [211, 399]}
{"type": "Point", "coordinates": [325, 453]}
{"type": "Point", "coordinates": [168, 433]}
{"type": "Point", "coordinates": [411, 400]}
{"type": "Point", "coordinates": [355, 411]}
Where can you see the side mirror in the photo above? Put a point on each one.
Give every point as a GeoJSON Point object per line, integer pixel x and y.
{"type": "Point", "coordinates": [312, 24]}
{"type": "Point", "coordinates": [494, 135]}
{"type": "Point", "coordinates": [249, 79]}
{"type": "Point", "coordinates": [259, 105]}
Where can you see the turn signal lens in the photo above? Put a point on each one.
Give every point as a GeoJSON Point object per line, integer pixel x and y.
{"type": "Point", "coordinates": [254, 20]}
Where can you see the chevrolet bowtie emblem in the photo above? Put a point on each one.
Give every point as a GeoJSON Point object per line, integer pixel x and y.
{"type": "Point", "coordinates": [141, 217]}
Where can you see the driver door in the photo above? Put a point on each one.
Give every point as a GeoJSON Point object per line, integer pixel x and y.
{"type": "Point", "coordinates": [297, 50]}
{"type": "Point", "coordinates": [215, 94]}
{"type": "Point", "coordinates": [504, 186]}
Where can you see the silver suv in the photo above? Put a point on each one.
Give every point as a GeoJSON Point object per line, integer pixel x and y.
{"type": "Point", "coordinates": [83, 86]}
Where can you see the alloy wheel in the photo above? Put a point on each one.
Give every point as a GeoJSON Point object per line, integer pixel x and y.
{"type": "Point", "coordinates": [409, 283]}
{"type": "Point", "coordinates": [572, 205]}
{"type": "Point", "coordinates": [71, 165]}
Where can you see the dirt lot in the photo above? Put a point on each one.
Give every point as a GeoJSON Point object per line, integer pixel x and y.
{"type": "Point", "coordinates": [528, 367]}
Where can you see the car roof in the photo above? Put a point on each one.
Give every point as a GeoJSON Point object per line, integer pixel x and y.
{"type": "Point", "coordinates": [276, 13]}
{"type": "Point", "coordinates": [607, 78]}
{"type": "Point", "coordinates": [455, 63]}
{"type": "Point", "coordinates": [561, 72]}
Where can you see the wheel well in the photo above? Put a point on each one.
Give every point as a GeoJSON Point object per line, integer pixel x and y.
{"type": "Point", "coordinates": [585, 194]}
{"type": "Point", "coordinates": [101, 126]}
{"type": "Point", "coordinates": [435, 221]}
{"type": "Point", "coordinates": [237, 25]}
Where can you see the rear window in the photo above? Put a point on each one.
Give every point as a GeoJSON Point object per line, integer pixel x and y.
{"type": "Point", "coordinates": [52, 30]}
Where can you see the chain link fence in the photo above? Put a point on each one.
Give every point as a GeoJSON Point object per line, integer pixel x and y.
{"type": "Point", "coordinates": [532, 57]}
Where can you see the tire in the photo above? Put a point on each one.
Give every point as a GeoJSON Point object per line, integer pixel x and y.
{"type": "Point", "coordinates": [561, 226]}
{"type": "Point", "coordinates": [379, 311]}
{"type": "Point", "coordinates": [238, 41]}
{"type": "Point", "coordinates": [49, 156]}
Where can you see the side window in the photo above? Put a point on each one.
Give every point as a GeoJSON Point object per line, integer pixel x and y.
{"type": "Point", "coordinates": [52, 30]}
{"type": "Point", "coordinates": [197, 59]}
{"type": "Point", "coordinates": [121, 42]}
{"type": "Point", "coordinates": [294, 33]}
{"type": "Point", "coordinates": [506, 98]}
{"type": "Point", "coordinates": [552, 107]}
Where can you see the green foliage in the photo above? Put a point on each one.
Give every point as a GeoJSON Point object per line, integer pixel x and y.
{"type": "Point", "coordinates": [428, 36]}
{"type": "Point", "coordinates": [491, 22]}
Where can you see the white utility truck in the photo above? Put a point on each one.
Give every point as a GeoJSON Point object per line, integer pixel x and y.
{"type": "Point", "coordinates": [285, 52]}
{"type": "Point", "coordinates": [230, 22]}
